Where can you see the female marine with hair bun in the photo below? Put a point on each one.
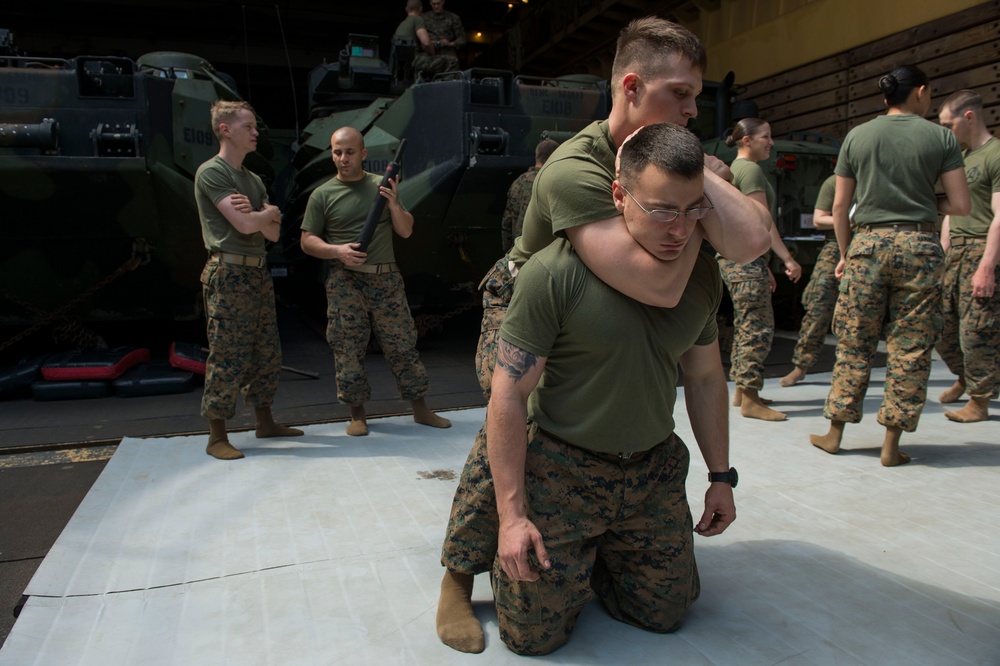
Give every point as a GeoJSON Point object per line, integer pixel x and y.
{"type": "Point", "coordinates": [750, 285]}
{"type": "Point", "coordinates": [894, 263]}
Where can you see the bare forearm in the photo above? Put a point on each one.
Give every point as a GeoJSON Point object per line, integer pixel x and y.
{"type": "Point", "coordinates": [778, 246]}
{"type": "Point", "coordinates": [823, 219]}
{"type": "Point", "coordinates": [609, 250]}
{"type": "Point", "coordinates": [251, 222]}
{"type": "Point", "coordinates": [841, 203]}
{"type": "Point", "coordinates": [843, 230]}
{"type": "Point", "coordinates": [272, 231]}
{"type": "Point", "coordinates": [739, 227]}
{"type": "Point", "coordinates": [315, 246]}
{"type": "Point", "coordinates": [991, 255]}
{"type": "Point", "coordinates": [402, 221]}
{"type": "Point", "coordinates": [506, 446]}
{"type": "Point", "coordinates": [706, 399]}
{"type": "Point", "coordinates": [956, 189]}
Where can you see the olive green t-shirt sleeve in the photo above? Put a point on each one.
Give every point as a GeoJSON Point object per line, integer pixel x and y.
{"type": "Point", "coordinates": [749, 177]}
{"type": "Point", "coordinates": [314, 220]}
{"type": "Point", "coordinates": [824, 200]}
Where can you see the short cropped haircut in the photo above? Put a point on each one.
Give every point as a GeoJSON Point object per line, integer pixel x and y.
{"type": "Point", "coordinates": [670, 148]}
{"type": "Point", "coordinates": [225, 111]}
{"type": "Point", "coordinates": [544, 150]}
{"type": "Point", "coordinates": [645, 45]}
{"type": "Point", "coordinates": [964, 100]}
{"type": "Point", "coordinates": [414, 4]}
{"type": "Point", "coordinates": [750, 127]}
{"type": "Point", "coordinates": [900, 82]}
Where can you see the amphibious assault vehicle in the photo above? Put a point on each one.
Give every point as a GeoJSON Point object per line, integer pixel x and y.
{"type": "Point", "coordinates": [97, 161]}
{"type": "Point", "coordinates": [469, 135]}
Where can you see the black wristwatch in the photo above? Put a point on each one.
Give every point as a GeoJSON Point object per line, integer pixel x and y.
{"type": "Point", "coordinates": [730, 477]}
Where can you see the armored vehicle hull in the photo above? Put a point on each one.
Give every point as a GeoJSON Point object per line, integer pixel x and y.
{"type": "Point", "coordinates": [469, 135]}
{"type": "Point", "coordinates": [97, 160]}
{"type": "Point", "coordinates": [797, 167]}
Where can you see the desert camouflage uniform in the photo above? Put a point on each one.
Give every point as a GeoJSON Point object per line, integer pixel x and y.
{"type": "Point", "coordinates": [898, 272]}
{"type": "Point", "coordinates": [819, 299]}
{"type": "Point", "coordinates": [243, 337]}
{"type": "Point", "coordinates": [970, 338]}
{"type": "Point", "coordinates": [357, 305]}
{"type": "Point", "coordinates": [621, 507]}
{"type": "Point", "coordinates": [445, 25]}
{"type": "Point", "coordinates": [753, 320]}
{"type": "Point", "coordinates": [498, 288]}
{"type": "Point", "coordinates": [517, 204]}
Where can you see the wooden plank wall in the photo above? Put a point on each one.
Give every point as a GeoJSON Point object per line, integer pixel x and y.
{"type": "Point", "coordinates": [835, 94]}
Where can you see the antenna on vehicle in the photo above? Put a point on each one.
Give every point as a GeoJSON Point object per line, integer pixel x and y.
{"type": "Point", "coordinates": [291, 77]}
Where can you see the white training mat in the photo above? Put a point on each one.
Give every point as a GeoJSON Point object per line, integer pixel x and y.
{"type": "Point", "coordinates": [324, 549]}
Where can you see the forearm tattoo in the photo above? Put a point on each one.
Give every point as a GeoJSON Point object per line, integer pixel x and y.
{"type": "Point", "coordinates": [515, 360]}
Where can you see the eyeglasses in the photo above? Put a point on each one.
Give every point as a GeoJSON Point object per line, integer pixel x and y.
{"type": "Point", "coordinates": [667, 215]}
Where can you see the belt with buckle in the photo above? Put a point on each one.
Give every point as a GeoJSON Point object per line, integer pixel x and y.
{"type": "Point", "coordinates": [374, 269]}
{"type": "Point", "coordinates": [240, 259]}
{"type": "Point", "coordinates": [900, 226]}
{"type": "Point", "coordinates": [966, 240]}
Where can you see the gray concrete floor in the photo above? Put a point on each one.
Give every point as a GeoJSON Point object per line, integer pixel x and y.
{"type": "Point", "coordinates": [51, 452]}
{"type": "Point", "coordinates": [324, 549]}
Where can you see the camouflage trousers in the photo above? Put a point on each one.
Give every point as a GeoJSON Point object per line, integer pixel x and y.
{"type": "Point", "coordinates": [359, 304]}
{"type": "Point", "coordinates": [753, 320]}
{"type": "Point", "coordinates": [470, 542]}
{"type": "Point", "coordinates": [819, 300]}
{"type": "Point", "coordinates": [898, 273]}
{"type": "Point", "coordinates": [620, 529]}
{"type": "Point", "coordinates": [498, 288]}
{"type": "Point", "coordinates": [244, 347]}
{"type": "Point", "coordinates": [970, 338]}
{"type": "Point", "coordinates": [434, 64]}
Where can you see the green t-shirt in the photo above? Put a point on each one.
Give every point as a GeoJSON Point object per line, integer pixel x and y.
{"type": "Point", "coordinates": [610, 381]}
{"type": "Point", "coordinates": [748, 178]}
{"type": "Point", "coordinates": [896, 160]}
{"type": "Point", "coordinates": [408, 28]}
{"type": "Point", "coordinates": [572, 189]}
{"type": "Point", "coordinates": [337, 210]}
{"type": "Point", "coordinates": [982, 171]}
{"type": "Point", "coordinates": [824, 201]}
{"type": "Point", "coordinates": [215, 180]}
